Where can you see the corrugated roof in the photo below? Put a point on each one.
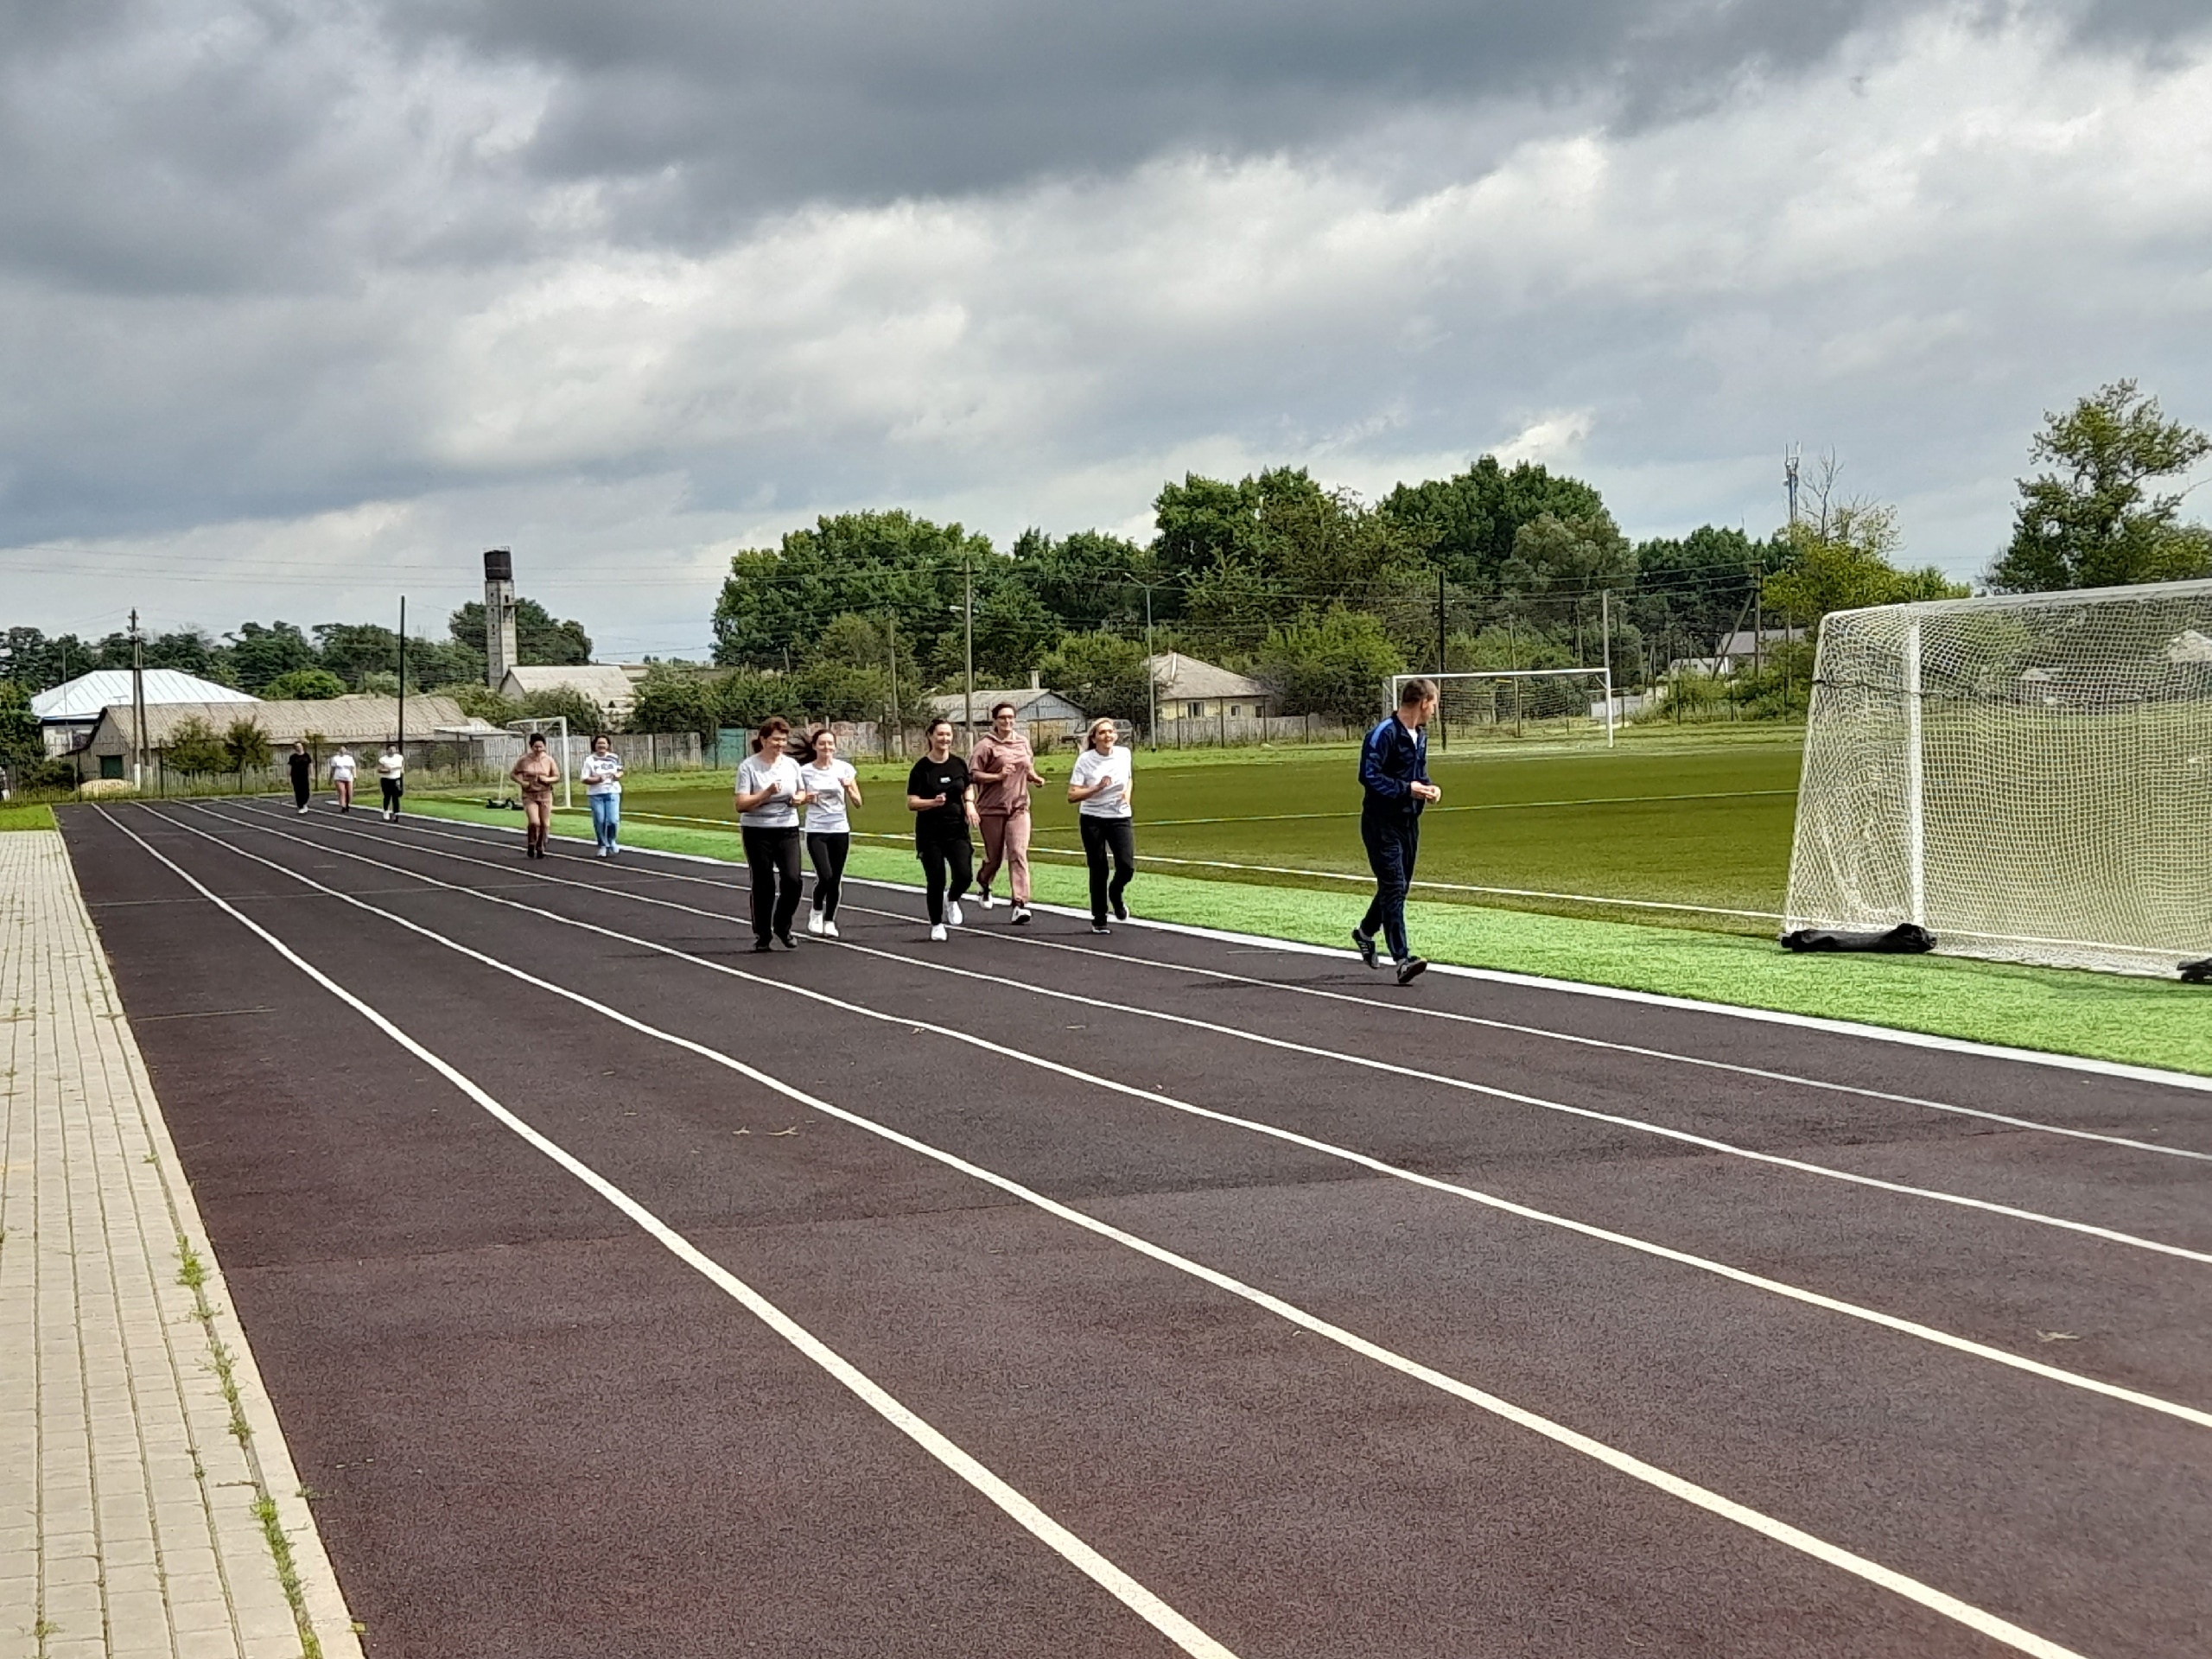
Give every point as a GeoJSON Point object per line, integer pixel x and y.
{"type": "Point", "coordinates": [1177, 676]}
{"type": "Point", "coordinates": [332, 720]}
{"type": "Point", "coordinates": [84, 697]}
{"type": "Point", "coordinates": [1021, 697]}
{"type": "Point", "coordinates": [603, 683]}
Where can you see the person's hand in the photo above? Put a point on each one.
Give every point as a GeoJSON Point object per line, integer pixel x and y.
{"type": "Point", "coordinates": [974, 817]}
{"type": "Point", "coordinates": [1427, 792]}
{"type": "Point", "coordinates": [937, 800]}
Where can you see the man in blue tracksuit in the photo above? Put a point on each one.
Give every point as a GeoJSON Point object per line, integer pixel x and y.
{"type": "Point", "coordinates": [1394, 773]}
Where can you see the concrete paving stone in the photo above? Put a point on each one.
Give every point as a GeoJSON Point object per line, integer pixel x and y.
{"type": "Point", "coordinates": [74, 1607]}
{"type": "Point", "coordinates": [72, 1569]}
{"type": "Point", "coordinates": [195, 1617]}
{"type": "Point", "coordinates": [137, 1616]}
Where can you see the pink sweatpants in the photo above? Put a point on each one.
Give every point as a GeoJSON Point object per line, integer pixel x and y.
{"type": "Point", "coordinates": [1006, 840]}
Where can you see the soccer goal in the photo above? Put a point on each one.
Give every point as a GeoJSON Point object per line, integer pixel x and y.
{"type": "Point", "coordinates": [1564, 704]}
{"type": "Point", "coordinates": [2027, 776]}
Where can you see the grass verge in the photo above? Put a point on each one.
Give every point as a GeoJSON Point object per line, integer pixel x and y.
{"type": "Point", "coordinates": [2102, 1016]}
{"type": "Point", "coordinates": [26, 815]}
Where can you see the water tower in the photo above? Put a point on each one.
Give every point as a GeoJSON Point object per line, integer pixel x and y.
{"type": "Point", "coordinates": [498, 615]}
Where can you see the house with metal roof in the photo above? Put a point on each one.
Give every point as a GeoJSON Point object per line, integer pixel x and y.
{"type": "Point", "coordinates": [609, 686]}
{"type": "Point", "coordinates": [1189, 689]}
{"type": "Point", "coordinates": [1044, 714]}
{"type": "Point", "coordinates": [69, 713]}
{"type": "Point", "coordinates": [363, 724]}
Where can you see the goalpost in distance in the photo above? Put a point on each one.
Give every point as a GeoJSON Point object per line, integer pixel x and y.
{"type": "Point", "coordinates": [1499, 697]}
{"type": "Point", "coordinates": [2028, 777]}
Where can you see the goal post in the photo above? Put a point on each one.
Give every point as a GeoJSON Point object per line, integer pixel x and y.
{"type": "Point", "coordinates": [1549, 697]}
{"type": "Point", "coordinates": [2027, 776]}
{"type": "Point", "coordinates": [543, 724]}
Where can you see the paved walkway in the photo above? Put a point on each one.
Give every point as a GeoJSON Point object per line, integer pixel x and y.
{"type": "Point", "coordinates": [145, 1494]}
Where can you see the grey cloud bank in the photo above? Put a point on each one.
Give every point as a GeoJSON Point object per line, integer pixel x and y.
{"type": "Point", "coordinates": [300, 303]}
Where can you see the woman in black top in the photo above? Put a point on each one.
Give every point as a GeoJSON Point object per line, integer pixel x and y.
{"type": "Point", "coordinates": [942, 802]}
{"type": "Point", "coordinates": [303, 766]}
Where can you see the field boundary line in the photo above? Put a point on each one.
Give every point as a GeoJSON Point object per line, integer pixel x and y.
{"type": "Point", "coordinates": [2195, 1083]}
{"type": "Point", "coordinates": [1490, 1200]}
{"type": "Point", "coordinates": [1685, 1491]}
{"type": "Point", "coordinates": [1022, 1510]}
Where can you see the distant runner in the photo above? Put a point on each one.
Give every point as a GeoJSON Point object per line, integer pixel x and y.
{"type": "Point", "coordinates": [534, 773]}
{"type": "Point", "coordinates": [769, 795]}
{"type": "Point", "coordinates": [392, 778]}
{"type": "Point", "coordinates": [301, 765]}
{"type": "Point", "coordinates": [342, 779]}
{"type": "Point", "coordinates": [1100, 787]}
{"type": "Point", "coordinates": [1394, 773]}
{"type": "Point", "coordinates": [602, 770]}
{"type": "Point", "coordinates": [829, 783]}
{"type": "Point", "coordinates": [942, 800]}
{"type": "Point", "coordinates": [1003, 768]}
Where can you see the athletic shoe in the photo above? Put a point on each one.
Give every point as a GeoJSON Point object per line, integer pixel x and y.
{"type": "Point", "coordinates": [828, 930]}
{"type": "Point", "coordinates": [984, 895]}
{"type": "Point", "coordinates": [952, 913]}
{"type": "Point", "coordinates": [1410, 969]}
{"type": "Point", "coordinates": [1100, 927]}
{"type": "Point", "coordinates": [761, 947]}
{"type": "Point", "coordinates": [813, 921]}
{"type": "Point", "coordinates": [937, 934]}
{"type": "Point", "coordinates": [1364, 944]}
{"type": "Point", "coordinates": [787, 942]}
{"type": "Point", "coordinates": [1121, 908]}
{"type": "Point", "coordinates": [1021, 916]}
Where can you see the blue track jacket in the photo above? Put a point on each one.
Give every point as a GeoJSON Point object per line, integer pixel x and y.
{"type": "Point", "coordinates": [1390, 762]}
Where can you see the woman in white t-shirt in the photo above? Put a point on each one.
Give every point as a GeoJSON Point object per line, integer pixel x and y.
{"type": "Point", "coordinates": [602, 770]}
{"type": "Point", "coordinates": [769, 796]}
{"type": "Point", "coordinates": [392, 778]}
{"type": "Point", "coordinates": [342, 767]}
{"type": "Point", "coordinates": [1101, 786]}
{"type": "Point", "coordinates": [831, 784]}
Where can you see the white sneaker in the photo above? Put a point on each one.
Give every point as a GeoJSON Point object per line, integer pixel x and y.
{"type": "Point", "coordinates": [813, 921]}
{"type": "Point", "coordinates": [985, 894]}
{"type": "Point", "coordinates": [952, 913]}
{"type": "Point", "coordinates": [937, 934]}
{"type": "Point", "coordinates": [1021, 916]}
{"type": "Point", "coordinates": [828, 930]}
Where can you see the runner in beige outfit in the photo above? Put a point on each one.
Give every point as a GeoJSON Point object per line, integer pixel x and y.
{"type": "Point", "coordinates": [1003, 768]}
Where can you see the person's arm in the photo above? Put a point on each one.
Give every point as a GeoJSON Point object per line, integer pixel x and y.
{"type": "Point", "coordinates": [852, 785]}
{"type": "Point", "coordinates": [968, 800]}
{"type": "Point", "coordinates": [752, 800]}
{"type": "Point", "coordinates": [1082, 791]}
{"type": "Point", "coordinates": [979, 763]}
{"type": "Point", "coordinates": [919, 803]}
{"type": "Point", "coordinates": [1374, 775]}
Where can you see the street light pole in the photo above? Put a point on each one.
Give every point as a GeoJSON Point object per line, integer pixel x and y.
{"type": "Point", "coordinates": [137, 705]}
{"type": "Point", "coordinates": [968, 608]}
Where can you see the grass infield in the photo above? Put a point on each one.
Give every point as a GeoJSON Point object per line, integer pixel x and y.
{"type": "Point", "coordinates": [26, 815]}
{"type": "Point", "coordinates": [2102, 1016]}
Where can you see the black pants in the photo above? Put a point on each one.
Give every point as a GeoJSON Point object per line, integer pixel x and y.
{"type": "Point", "coordinates": [1102, 836]}
{"type": "Point", "coordinates": [1393, 843]}
{"type": "Point", "coordinates": [827, 852]}
{"type": "Point", "coordinates": [302, 782]}
{"type": "Point", "coordinates": [392, 792]}
{"type": "Point", "coordinates": [772, 855]}
{"type": "Point", "coordinates": [948, 867]}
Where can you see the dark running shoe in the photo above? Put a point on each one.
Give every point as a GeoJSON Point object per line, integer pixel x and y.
{"type": "Point", "coordinates": [1121, 908]}
{"type": "Point", "coordinates": [788, 940]}
{"type": "Point", "coordinates": [1411, 969]}
{"type": "Point", "coordinates": [1364, 944]}
{"type": "Point", "coordinates": [1100, 927]}
{"type": "Point", "coordinates": [761, 947]}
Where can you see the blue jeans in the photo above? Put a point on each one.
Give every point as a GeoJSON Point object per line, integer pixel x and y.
{"type": "Point", "coordinates": [1393, 844]}
{"type": "Point", "coordinates": [605, 813]}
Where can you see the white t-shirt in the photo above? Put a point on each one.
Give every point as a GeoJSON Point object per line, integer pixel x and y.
{"type": "Point", "coordinates": [603, 774]}
{"type": "Point", "coordinates": [391, 765]}
{"type": "Point", "coordinates": [1113, 801]}
{"type": "Point", "coordinates": [341, 767]}
{"type": "Point", "coordinates": [758, 773]}
{"type": "Point", "coordinates": [825, 813]}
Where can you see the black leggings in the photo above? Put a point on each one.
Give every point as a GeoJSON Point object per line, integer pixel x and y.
{"type": "Point", "coordinates": [942, 859]}
{"type": "Point", "coordinates": [300, 782]}
{"type": "Point", "coordinates": [772, 855]}
{"type": "Point", "coordinates": [1100, 838]}
{"type": "Point", "coordinates": [827, 851]}
{"type": "Point", "coordinates": [392, 790]}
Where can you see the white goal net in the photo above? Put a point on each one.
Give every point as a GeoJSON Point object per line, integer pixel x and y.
{"type": "Point", "coordinates": [1570, 704]}
{"type": "Point", "coordinates": [2028, 778]}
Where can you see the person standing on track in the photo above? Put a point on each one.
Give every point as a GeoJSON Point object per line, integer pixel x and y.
{"type": "Point", "coordinates": [1394, 774]}
{"type": "Point", "coordinates": [769, 795]}
{"type": "Point", "coordinates": [341, 777]}
{"type": "Point", "coordinates": [602, 772]}
{"type": "Point", "coordinates": [534, 773]}
{"type": "Point", "coordinates": [829, 783]}
{"type": "Point", "coordinates": [301, 765]}
{"type": "Point", "coordinates": [1003, 768]}
{"type": "Point", "coordinates": [942, 802]}
{"type": "Point", "coordinates": [1100, 787]}
{"type": "Point", "coordinates": [391, 778]}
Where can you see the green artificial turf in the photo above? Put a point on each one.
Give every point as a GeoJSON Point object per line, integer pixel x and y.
{"type": "Point", "coordinates": [2105, 1016]}
{"type": "Point", "coordinates": [26, 815]}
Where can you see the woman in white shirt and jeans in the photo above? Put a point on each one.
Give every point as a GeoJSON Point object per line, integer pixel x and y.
{"type": "Point", "coordinates": [769, 796]}
{"type": "Point", "coordinates": [1100, 786]}
{"type": "Point", "coordinates": [829, 783]}
{"type": "Point", "coordinates": [602, 770]}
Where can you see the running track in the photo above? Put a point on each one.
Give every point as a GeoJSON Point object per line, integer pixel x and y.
{"type": "Point", "coordinates": [624, 1293]}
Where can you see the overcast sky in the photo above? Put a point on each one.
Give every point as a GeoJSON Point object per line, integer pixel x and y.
{"type": "Point", "coordinates": [303, 304]}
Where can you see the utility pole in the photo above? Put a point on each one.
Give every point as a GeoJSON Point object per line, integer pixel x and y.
{"type": "Point", "coordinates": [891, 626]}
{"type": "Point", "coordinates": [1150, 679]}
{"type": "Point", "coordinates": [1758, 618]}
{"type": "Point", "coordinates": [968, 608]}
{"type": "Point", "coordinates": [1443, 724]}
{"type": "Point", "coordinates": [1605, 614]}
{"type": "Point", "coordinates": [403, 674]}
{"type": "Point", "coordinates": [1789, 482]}
{"type": "Point", "coordinates": [137, 705]}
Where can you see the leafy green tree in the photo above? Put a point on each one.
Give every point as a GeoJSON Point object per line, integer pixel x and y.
{"type": "Point", "coordinates": [1336, 665]}
{"type": "Point", "coordinates": [245, 748]}
{"type": "Point", "coordinates": [1087, 580]}
{"type": "Point", "coordinates": [1013, 632]}
{"type": "Point", "coordinates": [2086, 522]}
{"type": "Point", "coordinates": [1843, 560]}
{"type": "Point", "coordinates": [829, 690]}
{"type": "Point", "coordinates": [1101, 675]}
{"type": "Point", "coordinates": [585, 717]}
{"type": "Point", "coordinates": [378, 682]}
{"type": "Point", "coordinates": [304, 685]}
{"type": "Point", "coordinates": [670, 700]}
{"type": "Point", "coordinates": [195, 748]}
{"type": "Point", "coordinates": [20, 743]}
{"type": "Point", "coordinates": [352, 651]}
{"type": "Point", "coordinates": [540, 640]}
{"type": "Point", "coordinates": [1467, 524]}
{"type": "Point", "coordinates": [259, 655]}
{"type": "Point", "coordinates": [32, 659]}
{"type": "Point", "coordinates": [479, 701]}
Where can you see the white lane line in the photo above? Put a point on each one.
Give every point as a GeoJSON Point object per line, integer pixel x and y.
{"type": "Point", "coordinates": [1131, 1594]}
{"type": "Point", "coordinates": [1489, 1200]}
{"type": "Point", "coordinates": [1642, 1126]}
{"type": "Point", "coordinates": [1687, 1491]}
{"type": "Point", "coordinates": [1273, 944]}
